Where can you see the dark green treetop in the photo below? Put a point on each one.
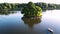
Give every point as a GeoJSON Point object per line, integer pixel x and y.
{"type": "Point", "coordinates": [31, 10]}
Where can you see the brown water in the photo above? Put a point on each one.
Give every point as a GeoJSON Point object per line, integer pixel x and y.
{"type": "Point", "coordinates": [14, 23]}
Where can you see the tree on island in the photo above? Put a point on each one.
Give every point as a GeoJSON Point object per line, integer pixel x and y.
{"type": "Point", "coordinates": [31, 10]}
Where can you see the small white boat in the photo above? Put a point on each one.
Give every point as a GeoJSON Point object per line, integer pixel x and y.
{"type": "Point", "coordinates": [50, 30]}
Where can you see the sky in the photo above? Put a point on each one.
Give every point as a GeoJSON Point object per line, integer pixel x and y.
{"type": "Point", "coordinates": [26, 1]}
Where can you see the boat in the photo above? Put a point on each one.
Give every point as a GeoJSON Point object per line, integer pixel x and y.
{"type": "Point", "coordinates": [50, 30]}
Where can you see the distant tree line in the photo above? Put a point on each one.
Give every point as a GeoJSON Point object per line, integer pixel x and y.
{"type": "Point", "coordinates": [17, 6]}
{"type": "Point", "coordinates": [8, 6]}
{"type": "Point", "coordinates": [46, 6]}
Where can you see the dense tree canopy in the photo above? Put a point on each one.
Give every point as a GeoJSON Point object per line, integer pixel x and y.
{"type": "Point", "coordinates": [8, 6]}
{"type": "Point", "coordinates": [31, 10]}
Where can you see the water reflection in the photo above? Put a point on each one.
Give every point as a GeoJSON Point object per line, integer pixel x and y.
{"type": "Point", "coordinates": [6, 12]}
{"type": "Point", "coordinates": [13, 24]}
{"type": "Point", "coordinates": [30, 22]}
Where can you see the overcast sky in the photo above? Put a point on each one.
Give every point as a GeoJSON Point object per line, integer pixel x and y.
{"type": "Point", "coordinates": [26, 1]}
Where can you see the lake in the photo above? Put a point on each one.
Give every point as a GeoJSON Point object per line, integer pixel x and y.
{"type": "Point", "coordinates": [14, 23]}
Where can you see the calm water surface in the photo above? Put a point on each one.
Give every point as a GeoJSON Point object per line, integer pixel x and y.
{"type": "Point", "coordinates": [14, 23]}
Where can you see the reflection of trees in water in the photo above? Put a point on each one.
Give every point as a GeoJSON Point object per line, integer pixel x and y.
{"type": "Point", "coordinates": [6, 12]}
{"type": "Point", "coordinates": [31, 21]}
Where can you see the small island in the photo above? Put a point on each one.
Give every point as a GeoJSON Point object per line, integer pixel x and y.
{"type": "Point", "coordinates": [31, 10]}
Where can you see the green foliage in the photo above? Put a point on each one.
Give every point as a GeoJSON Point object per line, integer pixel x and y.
{"type": "Point", "coordinates": [31, 10]}
{"type": "Point", "coordinates": [8, 6]}
{"type": "Point", "coordinates": [31, 5]}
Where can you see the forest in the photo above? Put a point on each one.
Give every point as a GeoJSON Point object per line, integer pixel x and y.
{"type": "Point", "coordinates": [19, 6]}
